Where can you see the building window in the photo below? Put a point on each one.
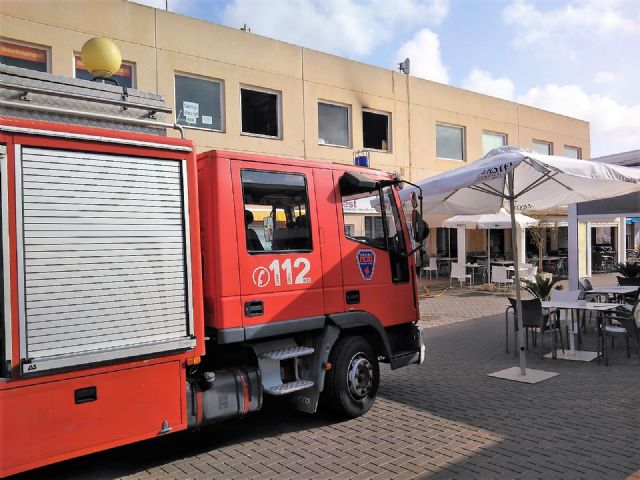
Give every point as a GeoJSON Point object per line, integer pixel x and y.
{"type": "Point", "coordinates": [276, 211]}
{"type": "Point", "coordinates": [124, 76]}
{"type": "Point", "coordinates": [572, 152]}
{"type": "Point", "coordinates": [540, 146]}
{"type": "Point", "coordinates": [24, 56]}
{"type": "Point", "coordinates": [449, 142]}
{"type": "Point", "coordinates": [375, 130]}
{"type": "Point", "coordinates": [333, 125]}
{"type": "Point", "coordinates": [199, 102]}
{"type": "Point", "coordinates": [491, 140]}
{"type": "Point", "coordinates": [260, 112]}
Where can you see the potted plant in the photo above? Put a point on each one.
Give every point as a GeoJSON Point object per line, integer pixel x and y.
{"type": "Point", "coordinates": [541, 287]}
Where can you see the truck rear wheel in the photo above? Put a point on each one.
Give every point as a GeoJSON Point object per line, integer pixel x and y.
{"type": "Point", "coordinates": [352, 382]}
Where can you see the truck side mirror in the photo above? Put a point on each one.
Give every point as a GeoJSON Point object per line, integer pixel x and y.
{"type": "Point", "coordinates": [421, 229]}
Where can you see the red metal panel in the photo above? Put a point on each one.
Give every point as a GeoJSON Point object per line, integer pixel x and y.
{"type": "Point", "coordinates": [328, 211]}
{"type": "Point", "coordinates": [219, 242]}
{"type": "Point", "coordinates": [46, 425]}
{"type": "Point", "coordinates": [290, 299]}
{"type": "Point", "coordinates": [392, 303]}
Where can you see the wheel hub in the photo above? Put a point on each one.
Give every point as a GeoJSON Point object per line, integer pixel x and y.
{"type": "Point", "coordinates": [359, 376]}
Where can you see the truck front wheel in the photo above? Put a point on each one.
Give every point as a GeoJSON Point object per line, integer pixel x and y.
{"type": "Point", "coordinates": [352, 382]}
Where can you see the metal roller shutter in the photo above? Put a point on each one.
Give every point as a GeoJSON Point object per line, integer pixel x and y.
{"type": "Point", "coordinates": [104, 257]}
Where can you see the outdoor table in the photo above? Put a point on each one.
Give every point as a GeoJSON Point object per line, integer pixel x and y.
{"type": "Point", "coordinates": [615, 290]}
{"type": "Point", "coordinates": [473, 267]}
{"type": "Point", "coordinates": [571, 354]}
{"type": "Point", "coordinates": [502, 262]}
{"type": "Point", "coordinates": [580, 305]}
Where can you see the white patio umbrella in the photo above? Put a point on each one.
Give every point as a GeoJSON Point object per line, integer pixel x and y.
{"type": "Point", "coordinates": [489, 221]}
{"type": "Point", "coordinates": [523, 180]}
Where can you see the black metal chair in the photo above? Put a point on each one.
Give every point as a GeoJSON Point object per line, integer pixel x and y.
{"type": "Point", "coordinates": [619, 323]}
{"type": "Point", "coordinates": [534, 319]}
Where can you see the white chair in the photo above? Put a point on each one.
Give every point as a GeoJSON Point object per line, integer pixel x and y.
{"type": "Point", "coordinates": [433, 267]}
{"type": "Point", "coordinates": [459, 273]}
{"type": "Point", "coordinates": [500, 278]}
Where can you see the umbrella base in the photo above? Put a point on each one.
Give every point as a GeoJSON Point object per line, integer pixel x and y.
{"type": "Point", "coordinates": [532, 376]}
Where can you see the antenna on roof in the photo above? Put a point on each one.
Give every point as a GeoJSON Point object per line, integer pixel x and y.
{"type": "Point", "coordinates": [405, 66]}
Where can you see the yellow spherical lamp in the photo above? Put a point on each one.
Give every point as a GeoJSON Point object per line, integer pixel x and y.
{"type": "Point", "coordinates": [101, 57]}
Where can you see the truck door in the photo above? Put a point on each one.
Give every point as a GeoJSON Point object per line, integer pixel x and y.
{"type": "Point", "coordinates": [376, 269]}
{"type": "Point", "coordinates": [280, 270]}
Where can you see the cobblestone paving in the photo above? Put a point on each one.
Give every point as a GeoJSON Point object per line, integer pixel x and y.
{"type": "Point", "coordinates": [445, 419]}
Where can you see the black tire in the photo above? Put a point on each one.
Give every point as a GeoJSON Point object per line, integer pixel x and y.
{"type": "Point", "coordinates": [351, 384]}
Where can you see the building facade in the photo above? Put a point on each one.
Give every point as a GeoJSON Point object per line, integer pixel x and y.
{"type": "Point", "coordinates": [232, 89]}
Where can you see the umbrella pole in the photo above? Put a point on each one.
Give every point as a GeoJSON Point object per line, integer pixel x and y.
{"type": "Point", "coordinates": [488, 255]}
{"type": "Point", "coordinates": [516, 273]}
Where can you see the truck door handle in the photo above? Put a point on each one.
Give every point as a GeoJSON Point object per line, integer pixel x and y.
{"type": "Point", "coordinates": [353, 297]}
{"type": "Point", "coordinates": [253, 308]}
{"type": "Point", "coordinates": [85, 395]}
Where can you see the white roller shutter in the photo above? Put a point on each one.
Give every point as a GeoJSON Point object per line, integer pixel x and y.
{"type": "Point", "coordinates": [104, 257]}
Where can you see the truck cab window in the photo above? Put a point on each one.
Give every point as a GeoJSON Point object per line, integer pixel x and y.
{"type": "Point", "coordinates": [363, 219]}
{"type": "Point", "coordinates": [276, 212]}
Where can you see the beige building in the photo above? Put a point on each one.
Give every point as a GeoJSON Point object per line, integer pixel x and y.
{"type": "Point", "coordinates": [236, 90]}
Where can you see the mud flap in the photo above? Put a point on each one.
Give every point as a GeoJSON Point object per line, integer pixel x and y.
{"type": "Point", "coordinates": [307, 400]}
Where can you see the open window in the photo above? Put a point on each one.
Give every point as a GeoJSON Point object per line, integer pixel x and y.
{"type": "Point", "coordinates": [260, 112]}
{"type": "Point", "coordinates": [375, 130]}
{"type": "Point", "coordinates": [276, 212]}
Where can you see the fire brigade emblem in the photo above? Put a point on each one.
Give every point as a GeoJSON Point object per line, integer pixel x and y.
{"type": "Point", "coordinates": [366, 263]}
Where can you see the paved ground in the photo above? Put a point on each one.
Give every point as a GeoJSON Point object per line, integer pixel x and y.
{"type": "Point", "coordinates": [444, 419]}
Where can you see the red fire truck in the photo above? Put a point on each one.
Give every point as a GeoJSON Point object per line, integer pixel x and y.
{"type": "Point", "coordinates": [141, 295]}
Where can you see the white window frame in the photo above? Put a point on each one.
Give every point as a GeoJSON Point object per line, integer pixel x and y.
{"type": "Point", "coordinates": [491, 132]}
{"type": "Point", "coordinates": [349, 124]}
{"type": "Point", "coordinates": [534, 141]}
{"type": "Point", "coordinates": [464, 141]}
{"type": "Point", "coordinates": [389, 140]}
{"type": "Point", "coordinates": [222, 104]}
{"type": "Point", "coordinates": [278, 95]}
{"type": "Point", "coordinates": [31, 45]}
{"type": "Point", "coordinates": [578, 149]}
{"type": "Point", "coordinates": [134, 69]}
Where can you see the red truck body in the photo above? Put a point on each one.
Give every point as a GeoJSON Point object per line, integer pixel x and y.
{"type": "Point", "coordinates": [146, 291]}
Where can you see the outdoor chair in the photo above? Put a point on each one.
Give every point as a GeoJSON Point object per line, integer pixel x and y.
{"type": "Point", "coordinates": [432, 267]}
{"type": "Point", "coordinates": [534, 319]}
{"type": "Point", "coordinates": [459, 273]}
{"type": "Point", "coordinates": [499, 277]}
{"type": "Point", "coordinates": [619, 323]}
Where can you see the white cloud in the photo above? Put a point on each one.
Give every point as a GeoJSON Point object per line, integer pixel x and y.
{"type": "Point", "coordinates": [604, 78]}
{"type": "Point", "coordinates": [614, 127]}
{"type": "Point", "coordinates": [481, 81]}
{"type": "Point", "coordinates": [343, 27]}
{"type": "Point", "coordinates": [583, 17]}
{"type": "Point", "coordinates": [424, 51]}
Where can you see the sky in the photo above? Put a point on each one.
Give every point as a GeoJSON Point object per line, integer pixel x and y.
{"type": "Point", "coordinates": [575, 57]}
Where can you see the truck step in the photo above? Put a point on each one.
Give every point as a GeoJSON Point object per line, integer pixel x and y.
{"type": "Point", "coordinates": [284, 353]}
{"type": "Point", "coordinates": [290, 387]}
